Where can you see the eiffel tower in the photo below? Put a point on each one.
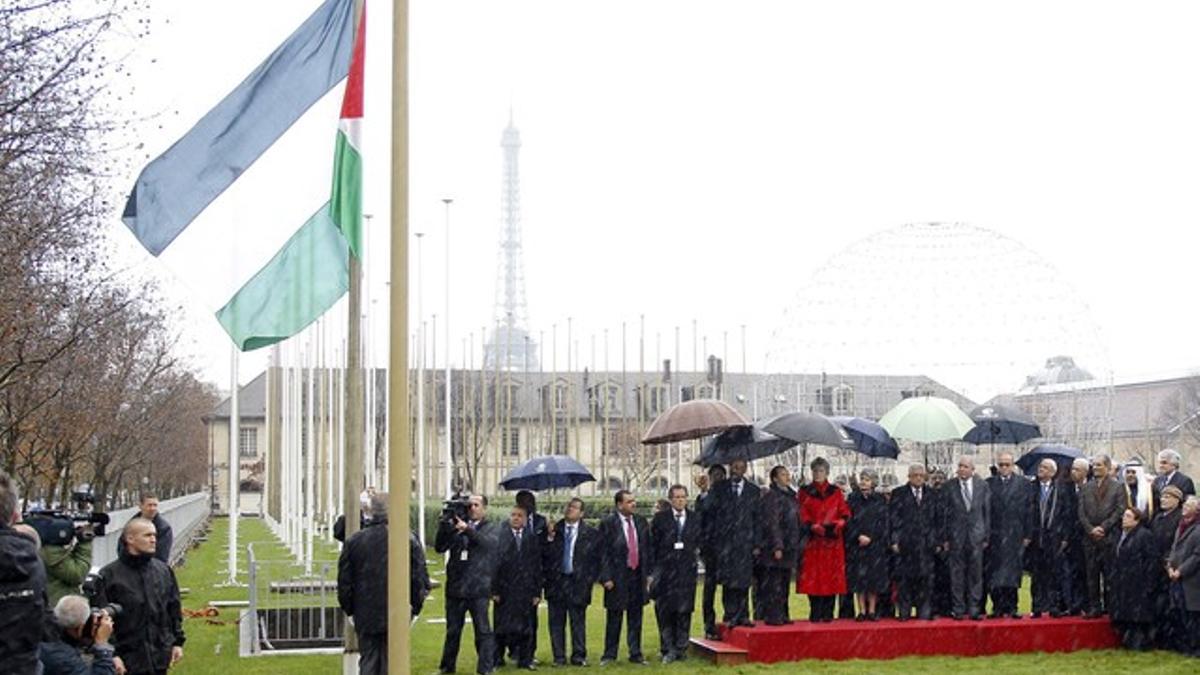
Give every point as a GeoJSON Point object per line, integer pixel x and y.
{"type": "Point", "coordinates": [511, 347]}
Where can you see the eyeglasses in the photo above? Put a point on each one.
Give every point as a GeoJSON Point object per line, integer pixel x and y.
{"type": "Point", "coordinates": [1005, 464]}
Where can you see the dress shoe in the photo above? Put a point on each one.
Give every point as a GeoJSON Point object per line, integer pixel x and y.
{"type": "Point", "coordinates": [861, 617]}
{"type": "Point", "coordinates": [638, 660]}
{"type": "Point", "coordinates": [527, 666]}
{"type": "Point", "coordinates": [669, 658]}
{"type": "Point", "coordinates": [975, 616]}
{"type": "Point", "coordinates": [559, 663]}
{"type": "Point", "coordinates": [995, 615]}
{"type": "Point", "coordinates": [605, 662]}
{"type": "Point", "coordinates": [1055, 614]}
{"type": "Point", "coordinates": [1015, 615]}
{"type": "Point", "coordinates": [1035, 615]}
{"type": "Point", "coordinates": [712, 636]}
{"type": "Point", "coordinates": [581, 662]}
{"type": "Point", "coordinates": [956, 616]}
{"type": "Point", "coordinates": [902, 618]}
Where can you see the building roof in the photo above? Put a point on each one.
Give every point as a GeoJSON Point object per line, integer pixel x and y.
{"type": "Point", "coordinates": [252, 400]}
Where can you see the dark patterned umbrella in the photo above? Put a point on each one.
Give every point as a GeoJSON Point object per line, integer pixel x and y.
{"type": "Point", "coordinates": [544, 473]}
{"type": "Point", "coordinates": [1001, 424]}
{"type": "Point", "coordinates": [1060, 453]}
{"type": "Point", "coordinates": [748, 443]}
{"type": "Point", "coordinates": [869, 438]}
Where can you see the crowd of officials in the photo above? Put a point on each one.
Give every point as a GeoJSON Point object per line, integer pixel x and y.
{"type": "Point", "coordinates": [55, 619]}
{"type": "Point", "coordinates": [1097, 543]}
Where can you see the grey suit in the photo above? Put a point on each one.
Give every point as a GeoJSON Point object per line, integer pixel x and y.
{"type": "Point", "coordinates": [1185, 555]}
{"type": "Point", "coordinates": [967, 531]}
{"type": "Point", "coordinates": [1104, 511]}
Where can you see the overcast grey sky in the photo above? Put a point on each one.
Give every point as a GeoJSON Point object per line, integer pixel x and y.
{"type": "Point", "coordinates": [700, 160]}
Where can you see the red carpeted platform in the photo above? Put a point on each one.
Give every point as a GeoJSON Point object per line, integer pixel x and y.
{"type": "Point", "coordinates": [889, 639]}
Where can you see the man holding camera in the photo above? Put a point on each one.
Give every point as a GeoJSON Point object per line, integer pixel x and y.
{"type": "Point", "coordinates": [67, 564]}
{"type": "Point", "coordinates": [471, 541]}
{"type": "Point", "coordinates": [22, 588]}
{"type": "Point", "coordinates": [149, 632]}
{"type": "Point", "coordinates": [80, 630]}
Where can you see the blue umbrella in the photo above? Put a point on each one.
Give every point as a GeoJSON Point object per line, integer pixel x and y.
{"type": "Point", "coordinates": [544, 473]}
{"type": "Point", "coordinates": [869, 438]}
{"type": "Point", "coordinates": [748, 443]}
{"type": "Point", "coordinates": [1001, 424]}
{"type": "Point", "coordinates": [1060, 453]}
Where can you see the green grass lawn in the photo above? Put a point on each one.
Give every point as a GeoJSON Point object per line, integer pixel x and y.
{"type": "Point", "coordinates": [213, 648]}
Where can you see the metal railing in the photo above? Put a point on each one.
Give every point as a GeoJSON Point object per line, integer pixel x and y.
{"type": "Point", "coordinates": [291, 609]}
{"type": "Point", "coordinates": [185, 514]}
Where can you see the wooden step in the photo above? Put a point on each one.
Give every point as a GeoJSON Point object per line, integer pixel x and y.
{"type": "Point", "coordinates": [720, 653]}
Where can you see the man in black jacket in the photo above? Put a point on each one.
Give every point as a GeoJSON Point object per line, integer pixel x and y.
{"type": "Point", "coordinates": [163, 535]}
{"type": "Point", "coordinates": [149, 631]}
{"type": "Point", "coordinates": [472, 545]}
{"type": "Point", "coordinates": [22, 589]}
{"type": "Point", "coordinates": [537, 523]}
{"type": "Point", "coordinates": [675, 534]}
{"type": "Point", "coordinates": [710, 546]}
{"type": "Point", "coordinates": [738, 503]}
{"type": "Point", "coordinates": [626, 554]}
{"type": "Point", "coordinates": [1009, 535]}
{"type": "Point", "coordinates": [570, 570]}
{"type": "Point", "coordinates": [516, 588]}
{"type": "Point", "coordinates": [362, 587]}
{"type": "Point", "coordinates": [1054, 516]}
{"type": "Point", "coordinates": [912, 516]}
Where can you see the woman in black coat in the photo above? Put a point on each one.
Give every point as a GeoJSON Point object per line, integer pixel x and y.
{"type": "Point", "coordinates": [1137, 560]}
{"type": "Point", "coordinates": [867, 552]}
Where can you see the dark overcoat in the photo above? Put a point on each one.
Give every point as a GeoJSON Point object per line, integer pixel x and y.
{"type": "Point", "coordinates": [1010, 527]}
{"type": "Point", "coordinates": [737, 530]}
{"type": "Point", "coordinates": [867, 566]}
{"type": "Point", "coordinates": [614, 556]}
{"type": "Point", "coordinates": [1164, 526]}
{"type": "Point", "coordinates": [1137, 562]}
{"type": "Point", "coordinates": [472, 560]}
{"type": "Point", "coordinates": [518, 580]}
{"type": "Point", "coordinates": [674, 576]}
{"type": "Point", "coordinates": [574, 590]}
{"type": "Point", "coordinates": [915, 530]}
{"type": "Point", "coordinates": [1185, 556]}
{"type": "Point", "coordinates": [780, 528]}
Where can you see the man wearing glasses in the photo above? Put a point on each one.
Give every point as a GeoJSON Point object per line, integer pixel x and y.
{"type": "Point", "coordinates": [472, 547]}
{"type": "Point", "coordinates": [1010, 534]}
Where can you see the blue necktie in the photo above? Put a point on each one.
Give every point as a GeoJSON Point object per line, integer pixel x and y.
{"type": "Point", "coordinates": [568, 556]}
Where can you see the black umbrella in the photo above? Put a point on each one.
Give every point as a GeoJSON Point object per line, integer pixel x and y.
{"type": "Point", "coordinates": [1060, 453]}
{"type": "Point", "coordinates": [544, 473]}
{"type": "Point", "coordinates": [807, 427]}
{"type": "Point", "coordinates": [1001, 424]}
{"type": "Point", "coordinates": [869, 438]}
{"type": "Point", "coordinates": [748, 443]}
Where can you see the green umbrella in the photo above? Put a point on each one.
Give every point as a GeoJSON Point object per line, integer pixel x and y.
{"type": "Point", "coordinates": [927, 419]}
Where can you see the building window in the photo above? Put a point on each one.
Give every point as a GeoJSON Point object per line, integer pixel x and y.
{"type": "Point", "coordinates": [610, 442]}
{"type": "Point", "coordinates": [560, 440]}
{"type": "Point", "coordinates": [705, 391]}
{"type": "Point", "coordinates": [560, 398]}
{"type": "Point", "coordinates": [612, 400]}
{"type": "Point", "coordinates": [652, 399]}
{"type": "Point", "coordinates": [843, 399]}
{"type": "Point", "coordinates": [248, 442]}
{"type": "Point", "coordinates": [512, 441]}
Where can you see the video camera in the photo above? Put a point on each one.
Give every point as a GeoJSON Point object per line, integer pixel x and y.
{"type": "Point", "coordinates": [458, 506]}
{"type": "Point", "coordinates": [60, 527]}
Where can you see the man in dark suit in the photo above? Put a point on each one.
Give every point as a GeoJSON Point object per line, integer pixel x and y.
{"type": "Point", "coordinates": [781, 541]}
{"type": "Point", "coordinates": [516, 588]}
{"type": "Point", "coordinates": [537, 523]}
{"type": "Point", "coordinates": [1075, 560]}
{"type": "Point", "coordinates": [967, 527]}
{"type": "Point", "coordinates": [1009, 535]}
{"type": "Point", "coordinates": [472, 561]}
{"type": "Point", "coordinates": [940, 598]}
{"type": "Point", "coordinates": [570, 568]}
{"type": "Point", "coordinates": [1053, 519]}
{"type": "Point", "coordinates": [1169, 474]}
{"type": "Point", "coordinates": [675, 534]}
{"type": "Point", "coordinates": [914, 541]}
{"type": "Point", "coordinates": [1101, 503]}
{"type": "Point", "coordinates": [738, 503]}
{"type": "Point", "coordinates": [710, 545]}
{"type": "Point", "coordinates": [626, 555]}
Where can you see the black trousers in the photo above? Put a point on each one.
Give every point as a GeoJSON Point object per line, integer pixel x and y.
{"type": "Point", "coordinates": [708, 600]}
{"type": "Point", "coordinates": [1004, 600]}
{"type": "Point", "coordinates": [966, 579]}
{"type": "Point", "coordinates": [634, 601]}
{"type": "Point", "coordinates": [1050, 582]}
{"type": "Point", "coordinates": [760, 574]}
{"type": "Point", "coordinates": [485, 640]}
{"type": "Point", "coordinates": [559, 614]}
{"type": "Point", "coordinates": [940, 597]}
{"type": "Point", "coordinates": [372, 653]}
{"type": "Point", "coordinates": [914, 593]}
{"type": "Point", "coordinates": [820, 607]}
{"type": "Point", "coordinates": [1076, 563]}
{"type": "Point", "coordinates": [673, 629]}
{"type": "Point", "coordinates": [775, 594]}
{"type": "Point", "coordinates": [1098, 558]}
{"type": "Point", "coordinates": [734, 601]}
{"type": "Point", "coordinates": [518, 645]}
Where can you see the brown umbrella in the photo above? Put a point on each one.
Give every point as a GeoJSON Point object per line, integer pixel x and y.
{"type": "Point", "coordinates": [693, 419]}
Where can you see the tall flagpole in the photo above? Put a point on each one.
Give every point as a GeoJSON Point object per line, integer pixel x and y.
{"type": "Point", "coordinates": [400, 466]}
{"type": "Point", "coordinates": [420, 401]}
{"type": "Point", "coordinates": [446, 454]}
{"type": "Point", "coordinates": [235, 424]}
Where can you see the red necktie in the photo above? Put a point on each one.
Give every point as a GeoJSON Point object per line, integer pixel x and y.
{"type": "Point", "coordinates": [631, 543]}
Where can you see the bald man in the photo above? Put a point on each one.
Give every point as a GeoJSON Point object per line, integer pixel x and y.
{"type": "Point", "coordinates": [148, 636]}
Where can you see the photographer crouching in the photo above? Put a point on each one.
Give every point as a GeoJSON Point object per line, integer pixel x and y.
{"type": "Point", "coordinates": [79, 634]}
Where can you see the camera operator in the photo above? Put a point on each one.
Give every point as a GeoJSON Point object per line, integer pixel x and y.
{"type": "Point", "coordinates": [79, 630]}
{"type": "Point", "coordinates": [471, 540]}
{"type": "Point", "coordinates": [22, 588]}
{"type": "Point", "coordinates": [149, 632]}
{"type": "Point", "coordinates": [67, 565]}
{"type": "Point", "coordinates": [148, 510]}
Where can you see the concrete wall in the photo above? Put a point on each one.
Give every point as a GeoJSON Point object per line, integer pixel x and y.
{"type": "Point", "coordinates": [185, 514]}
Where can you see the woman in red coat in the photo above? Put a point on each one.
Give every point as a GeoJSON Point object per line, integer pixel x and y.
{"type": "Point", "coordinates": [823, 513]}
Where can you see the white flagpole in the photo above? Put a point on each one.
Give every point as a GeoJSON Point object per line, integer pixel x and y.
{"type": "Point", "coordinates": [235, 422]}
{"type": "Point", "coordinates": [420, 399]}
{"type": "Point", "coordinates": [446, 328]}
